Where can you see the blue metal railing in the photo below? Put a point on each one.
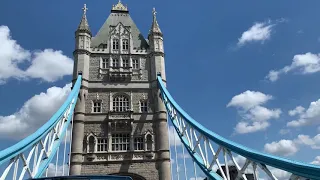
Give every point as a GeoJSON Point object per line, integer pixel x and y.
{"type": "Point", "coordinates": [297, 168]}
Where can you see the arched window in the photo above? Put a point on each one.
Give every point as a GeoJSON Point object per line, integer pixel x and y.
{"type": "Point", "coordinates": [149, 142]}
{"type": "Point", "coordinates": [120, 103]}
{"type": "Point", "coordinates": [91, 144]}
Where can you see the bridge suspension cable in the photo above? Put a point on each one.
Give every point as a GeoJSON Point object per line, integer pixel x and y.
{"type": "Point", "coordinates": [207, 149]}
{"type": "Point", "coordinates": [37, 152]}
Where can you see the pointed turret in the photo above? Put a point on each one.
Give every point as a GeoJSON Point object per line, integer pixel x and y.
{"type": "Point", "coordinates": [155, 29]}
{"type": "Point", "coordinates": [84, 25]}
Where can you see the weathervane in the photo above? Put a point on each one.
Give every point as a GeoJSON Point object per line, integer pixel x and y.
{"type": "Point", "coordinates": [85, 9]}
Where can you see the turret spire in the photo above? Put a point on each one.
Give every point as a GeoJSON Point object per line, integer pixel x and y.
{"type": "Point", "coordinates": [84, 26]}
{"type": "Point", "coordinates": [155, 26]}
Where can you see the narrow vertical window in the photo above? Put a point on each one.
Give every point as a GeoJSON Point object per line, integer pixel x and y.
{"type": "Point", "coordinates": [115, 62]}
{"type": "Point", "coordinates": [97, 106]}
{"type": "Point", "coordinates": [115, 44]}
{"type": "Point", "coordinates": [91, 144]}
{"type": "Point", "coordinates": [125, 44]}
{"type": "Point", "coordinates": [143, 106]}
{"type": "Point", "coordinates": [149, 142]}
{"type": "Point", "coordinates": [135, 64]}
{"type": "Point", "coordinates": [125, 63]}
{"type": "Point", "coordinates": [105, 63]}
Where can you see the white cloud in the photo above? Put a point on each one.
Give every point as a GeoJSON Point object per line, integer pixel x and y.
{"type": "Point", "coordinates": [316, 161]}
{"type": "Point", "coordinates": [34, 113]}
{"type": "Point", "coordinates": [47, 65]}
{"type": "Point", "coordinates": [307, 63]}
{"type": "Point", "coordinates": [298, 110]}
{"type": "Point", "coordinates": [286, 147]}
{"type": "Point", "coordinates": [314, 142]}
{"type": "Point", "coordinates": [249, 99]}
{"type": "Point", "coordinates": [260, 113]}
{"type": "Point", "coordinates": [258, 32]}
{"type": "Point", "coordinates": [245, 127]}
{"type": "Point", "coordinates": [283, 147]}
{"type": "Point", "coordinates": [255, 116]}
{"type": "Point", "coordinates": [174, 136]}
{"type": "Point", "coordinates": [308, 117]}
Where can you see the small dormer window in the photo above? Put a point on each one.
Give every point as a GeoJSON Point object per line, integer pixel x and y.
{"type": "Point", "coordinates": [115, 44]}
{"type": "Point", "coordinates": [115, 62]}
{"type": "Point", "coordinates": [105, 63]}
{"type": "Point", "coordinates": [125, 63]}
{"type": "Point", "coordinates": [125, 44]}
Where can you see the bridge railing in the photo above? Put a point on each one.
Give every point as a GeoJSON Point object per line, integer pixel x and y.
{"type": "Point", "coordinates": [32, 156]}
{"type": "Point", "coordinates": [214, 154]}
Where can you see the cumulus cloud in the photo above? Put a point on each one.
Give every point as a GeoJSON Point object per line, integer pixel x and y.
{"type": "Point", "coordinates": [47, 65]}
{"type": "Point", "coordinates": [316, 161]}
{"type": "Point", "coordinates": [255, 116]}
{"type": "Point", "coordinates": [249, 99]}
{"type": "Point", "coordinates": [307, 117]}
{"type": "Point", "coordinates": [280, 174]}
{"type": "Point", "coordinates": [33, 114]}
{"type": "Point", "coordinates": [259, 32]}
{"type": "Point", "coordinates": [296, 111]}
{"type": "Point", "coordinates": [286, 147]}
{"type": "Point", "coordinates": [283, 147]}
{"type": "Point", "coordinates": [307, 63]}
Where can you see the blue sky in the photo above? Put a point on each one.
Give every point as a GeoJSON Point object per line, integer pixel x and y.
{"type": "Point", "coordinates": [214, 51]}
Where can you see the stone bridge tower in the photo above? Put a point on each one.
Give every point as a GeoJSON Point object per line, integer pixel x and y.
{"type": "Point", "coordinates": [120, 123]}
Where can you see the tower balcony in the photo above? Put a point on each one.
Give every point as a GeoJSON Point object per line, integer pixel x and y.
{"type": "Point", "coordinates": [117, 74]}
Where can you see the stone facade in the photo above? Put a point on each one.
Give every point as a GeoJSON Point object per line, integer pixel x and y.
{"type": "Point", "coordinates": [120, 124]}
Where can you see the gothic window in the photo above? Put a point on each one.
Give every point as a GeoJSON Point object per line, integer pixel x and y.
{"type": "Point", "coordinates": [149, 142]}
{"type": "Point", "coordinates": [102, 145]}
{"type": "Point", "coordinates": [105, 63]}
{"type": "Point", "coordinates": [91, 144]}
{"type": "Point", "coordinates": [87, 44]}
{"type": "Point", "coordinates": [115, 44]}
{"type": "Point", "coordinates": [143, 106]}
{"type": "Point", "coordinates": [135, 64]}
{"type": "Point", "coordinates": [125, 44]}
{"type": "Point", "coordinates": [96, 106]}
{"type": "Point", "coordinates": [120, 103]}
{"type": "Point", "coordinates": [120, 142]}
{"type": "Point", "coordinates": [115, 62]}
{"type": "Point", "coordinates": [138, 143]}
{"type": "Point", "coordinates": [125, 62]}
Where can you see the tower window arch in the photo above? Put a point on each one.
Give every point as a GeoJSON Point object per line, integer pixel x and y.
{"type": "Point", "coordinates": [97, 106]}
{"type": "Point", "coordinates": [149, 142]}
{"type": "Point", "coordinates": [120, 103]}
{"type": "Point", "coordinates": [115, 62]}
{"type": "Point", "coordinates": [115, 44]}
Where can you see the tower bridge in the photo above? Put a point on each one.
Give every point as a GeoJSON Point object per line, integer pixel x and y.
{"type": "Point", "coordinates": [118, 113]}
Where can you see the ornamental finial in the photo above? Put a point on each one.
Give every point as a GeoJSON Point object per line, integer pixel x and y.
{"type": "Point", "coordinates": [154, 12]}
{"type": "Point", "coordinates": [85, 9]}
